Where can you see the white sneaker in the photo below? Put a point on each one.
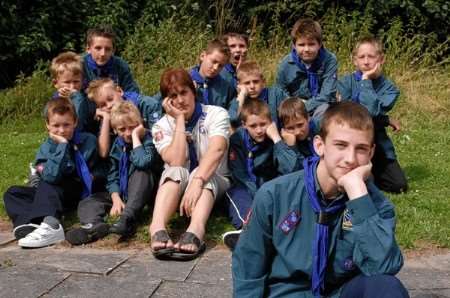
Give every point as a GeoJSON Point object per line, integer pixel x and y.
{"type": "Point", "coordinates": [44, 235]}
{"type": "Point", "coordinates": [23, 230]}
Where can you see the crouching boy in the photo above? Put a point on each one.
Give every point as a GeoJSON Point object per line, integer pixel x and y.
{"type": "Point", "coordinates": [326, 230]}
{"type": "Point", "coordinates": [64, 162]}
{"type": "Point", "coordinates": [130, 180]}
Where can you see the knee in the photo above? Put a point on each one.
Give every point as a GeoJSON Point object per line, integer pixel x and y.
{"type": "Point", "coordinates": [390, 284]}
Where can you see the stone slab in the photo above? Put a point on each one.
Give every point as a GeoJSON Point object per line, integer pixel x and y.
{"type": "Point", "coordinates": [430, 294]}
{"type": "Point", "coordinates": [68, 259]}
{"type": "Point", "coordinates": [421, 278]}
{"type": "Point", "coordinates": [147, 267]}
{"type": "Point", "coordinates": [189, 290]}
{"type": "Point", "coordinates": [213, 268]}
{"type": "Point", "coordinates": [6, 237]}
{"type": "Point", "coordinates": [438, 262]}
{"type": "Point", "coordinates": [26, 281]}
{"type": "Point", "coordinates": [88, 285]}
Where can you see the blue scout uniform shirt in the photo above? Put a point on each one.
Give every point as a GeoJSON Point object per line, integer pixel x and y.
{"type": "Point", "coordinates": [274, 97]}
{"type": "Point", "coordinates": [140, 158]}
{"type": "Point", "coordinates": [151, 110]}
{"type": "Point", "coordinates": [220, 92]}
{"type": "Point", "coordinates": [228, 72]}
{"type": "Point", "coordinates": [58, 160]}
{"type": "Point", "coordinates": [269, 161]}
{"type": "Point", "coordinates": [273, 257]}
{"type": "Point", "coordinates": [379, 97]}
{"type": "Point", "coordinates": [116, 69]}
{"type": "Point", "coordinates": [294, 81]}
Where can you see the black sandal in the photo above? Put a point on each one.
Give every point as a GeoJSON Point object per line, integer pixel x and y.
{"type": "Point", "coordinates": [162, 253]}
{"type": "Point", "coordinates": [188, 238]}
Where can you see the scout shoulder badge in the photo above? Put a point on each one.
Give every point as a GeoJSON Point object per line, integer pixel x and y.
{"type": "Point", "coordinates": [290, 221]}
{"type": "Point", "coordinates": [347, 221]}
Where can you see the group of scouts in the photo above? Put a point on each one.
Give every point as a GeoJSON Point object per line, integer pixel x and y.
{"type": "Point", "coordinates": [299, 165]}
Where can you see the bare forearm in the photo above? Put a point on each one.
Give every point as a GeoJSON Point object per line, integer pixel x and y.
{"type": "Point", "coordinates": [211, 160]}
{"type": "Point", "coordinates": [175, 153]}
{"type": "Point", "coordinates": [104, 142]}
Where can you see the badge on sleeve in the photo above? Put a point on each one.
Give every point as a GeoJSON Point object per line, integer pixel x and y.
{"type": "Point", "coordinates": [232, 155]}
{"type": "Point", "coordinates": [347, 221]}
{"type": "Point", "coordinates": [290, 221]}
{"type": "Point", "coordinates": [159, 136]}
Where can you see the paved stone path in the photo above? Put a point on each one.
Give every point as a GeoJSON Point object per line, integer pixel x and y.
{"type": "Point", "coordinates": [60, 271]}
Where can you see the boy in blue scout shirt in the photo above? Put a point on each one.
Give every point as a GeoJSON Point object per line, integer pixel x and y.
{"type": "Point", "coordinates": [309, 71]}
{"type": "Point", "coordinates": [325, 231]}
{"type": "Point", "coordinates": [130, 181]}
{"type": "Point", "coordinates": [100, 61]}
{"type": "Point", "coordinates": [238, 46]}
{"type": "Point", "coordinates": [370, 88]}
{"type": "Point", "coordinates": [106, 94]}
{"type": "Point", "coordinates": [64, 162]}
{"type": "Point", "coordinates": [257, 154]}
{"type": "Point", "coordinates": [212, 88]}
{"type": "Point", "coordinates": [297, 129]}
{"type": "Point", "coordinates": [66, 70]}
{"type": "Point", "coordinates": [251, 84]}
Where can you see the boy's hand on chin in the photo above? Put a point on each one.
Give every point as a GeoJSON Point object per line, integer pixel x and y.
{"type": "Point", "coordinates": [57, 139]}
{"type": "Point", "coordinates": [354, 181]}
{"type": "Point", "coordinates": [272, 132]}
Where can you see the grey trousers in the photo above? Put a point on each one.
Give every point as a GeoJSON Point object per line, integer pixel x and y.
{"type": "Point", "coordinates": [140, 189]}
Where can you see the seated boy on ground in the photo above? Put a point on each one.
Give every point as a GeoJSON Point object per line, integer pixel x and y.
{"type": "Point", "coordinates": [297, 129]}
{"type": "Point", "coordinates": [251, 84]}
{"type": "Point", "coordinates": [192, 139]}
{"type": "Point", "coordinates": [106, 94]}
{"type": "Point", "coordinates": [100, 61]}
{"type": "Point", "coordinates": [64, 162]}
{"type": "Point", "coordinates": [326, 230]}
{"type": "Point", "coordinates": [370, 88]}
{"type": "Point", "coordinates": [212, 88]}
{"type": "Point", "coordinates": [130, 181]}
{"type": "Point", "coordinates": [309, 71]}
{"type": "Point", "coordinates": [257, 154]}
{"type": "Point", "coordinates": [238, 46]}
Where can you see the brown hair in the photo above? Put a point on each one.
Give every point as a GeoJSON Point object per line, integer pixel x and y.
{"type": "Point", "coordinates": [218, 45]}
{"type": "Point", "coordinates": [249, 68]}
{"type": "Point", "coordinates": [66, 61]}
{"type": "Point", "coordinates": [95, 85]}
{"type": "Point", "coordinates": [105, 31]}
{"type": "Point", "coordinates": [370, 39]}
{"type": "Point", "coordinates": [125, 112]}
{"type": "Point", "coordinates": [254, 106]}
{"type": "Point", "coordinates": [307, 28]}
{"type": "Point", "coordinates": [60, 106]}
{"type": "Point", "coordinates": [292, 108]}
{"type": "Point", "coordinates": [350, 113]}
{"type": "Point", "coordinates": [229, 35]}
{"type": "Point", "coordinates": [175, 77]}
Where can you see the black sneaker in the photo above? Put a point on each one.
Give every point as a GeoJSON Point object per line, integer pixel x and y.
{"type": "Point", "coordinates": [231, 238]}
{"type": "Point", "coordinates": [125, 227]}
{"type": "Point", "coordinates": [87, 233]}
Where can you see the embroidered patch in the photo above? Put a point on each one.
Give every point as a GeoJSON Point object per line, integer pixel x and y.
{"type": "Point", "coordinates": [232, 155]}
{"type": "Point", "coordinates": [159, 136]}
{"type": "Point", "coordinates": [348, 264]}
{"type": "Point", "coordinates": [155, 115]}
{"type": "Point", "coordinates": [347, 221]}
{"type": "Point", "coordinates": [290, 221]}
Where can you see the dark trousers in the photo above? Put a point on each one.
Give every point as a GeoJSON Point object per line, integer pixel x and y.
{"type": "Point", "coordinates": [26, 204]}
{"type": "Point", "coordinates": [388, 174]}
{"type": "Point", "coordinates": [140, 189]}
{"type": "Point", "coordinates": [378, 286]}
{"type": "Point", "coordinates": [239, 202]}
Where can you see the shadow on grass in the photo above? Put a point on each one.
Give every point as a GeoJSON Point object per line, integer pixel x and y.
{"type": "Point", "coordinates": [416, 172]}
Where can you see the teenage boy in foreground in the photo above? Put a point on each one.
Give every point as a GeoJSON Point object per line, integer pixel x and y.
{"type": "Point", "coordinates": [326, 230]}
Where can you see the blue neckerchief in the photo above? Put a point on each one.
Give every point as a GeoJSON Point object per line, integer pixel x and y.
{"type": "Point", "coordinates": [55, 95]}
{"type": "Point", "coordinates": [81, 166]}
{"type": "Point", "coordinates": [201, 83]}
{"type": "Point", "coordinates": [232, 70]}
{"type": "Point", "coordinates": [356, 91]}
{"type": "Point", "coordinates": [311, 72]}
{"type": "Point", "coordinates": [320, 244]}
{"type": "Point", "coordinates": [189, 128]}
{"type": "Point", "coordinates": [123, 167]}
{"type": "Point", "coordinates": [264, 96]}
{"type": "Point", "coordinates": [103, 71]}
{"type": "Point", "coordinates": [132, 96]}
{"type": "Point", "coordinates": [311, 133]}
{"type": "Point", "coordinates": [251, 149]}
